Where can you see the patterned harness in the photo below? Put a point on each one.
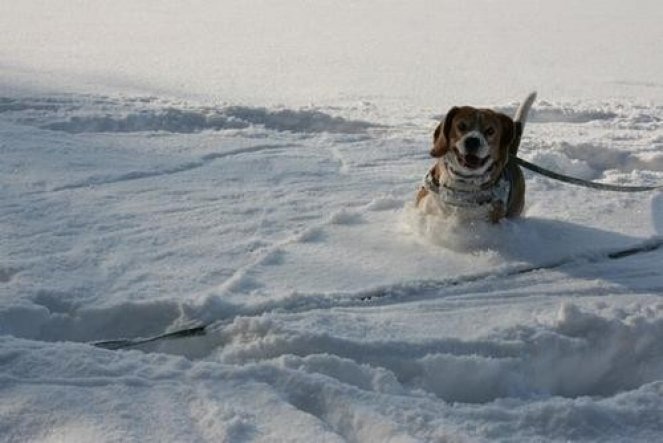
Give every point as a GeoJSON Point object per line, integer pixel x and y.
{"type": "Point", "coordinates": [499, 191]}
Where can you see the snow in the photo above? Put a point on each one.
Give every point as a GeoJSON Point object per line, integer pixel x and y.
{"type": "Point", "coordinates": [251, 166]}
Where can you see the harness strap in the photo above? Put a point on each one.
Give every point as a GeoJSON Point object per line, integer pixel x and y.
{"type": "Point", "coordinates": [499, 191]}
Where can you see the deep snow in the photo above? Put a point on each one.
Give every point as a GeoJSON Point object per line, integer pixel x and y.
{"type": "Point", "coordinates": [252, 165]}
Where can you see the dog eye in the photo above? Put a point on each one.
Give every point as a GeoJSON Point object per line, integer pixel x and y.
{"type": "Point", "coordinates": [490, 131]}
{"type": "Point", "coordinates": [462, 126]}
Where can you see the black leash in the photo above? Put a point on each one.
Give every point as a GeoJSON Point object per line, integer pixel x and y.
{"type": "Point", "coordinates": [645, 247]}
{"type": "Point", "coordinates": [129, 343]}
{"type": "Point", "coordinates": [581, 182]}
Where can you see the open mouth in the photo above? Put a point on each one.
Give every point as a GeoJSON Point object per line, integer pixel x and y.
{"type": "Point", "coordinates": [470, 161]}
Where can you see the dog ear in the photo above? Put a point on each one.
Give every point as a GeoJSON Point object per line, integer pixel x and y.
{"type": "Point", "coordinates": [441, 135]}
{"type": "Point", "coordinates": [508, 137]}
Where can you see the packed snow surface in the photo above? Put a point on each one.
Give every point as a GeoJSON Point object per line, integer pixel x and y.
{"type": "Point", "coordinates": [251, 166]}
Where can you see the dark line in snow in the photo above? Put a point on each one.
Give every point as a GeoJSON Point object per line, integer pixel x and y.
{"type": "Point", "coordinates": [128, 343]}
{"type": "Point", "coordinates": [645, 247]}
{"type": "Point", "coordinates": [139, 175]}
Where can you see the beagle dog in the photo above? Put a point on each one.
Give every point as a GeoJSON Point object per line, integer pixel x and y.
{"type": "Point", "coordinates": [474, 176]}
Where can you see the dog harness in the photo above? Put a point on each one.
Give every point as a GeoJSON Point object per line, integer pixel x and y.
{"type": "Point", "coordinates": [500, 191]}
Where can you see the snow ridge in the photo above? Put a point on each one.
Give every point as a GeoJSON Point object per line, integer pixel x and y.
{"type": "Point", "coordinates": [135, 115]}
{"type": "Point", "coordinates": [578, 354]}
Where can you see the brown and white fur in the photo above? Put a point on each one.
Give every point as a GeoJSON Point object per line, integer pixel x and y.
{"type": "Point", "coordinates": [473, 147]}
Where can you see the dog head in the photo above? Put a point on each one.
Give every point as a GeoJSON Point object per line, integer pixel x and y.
{"type": "Point", "coordinates": [473, 141]}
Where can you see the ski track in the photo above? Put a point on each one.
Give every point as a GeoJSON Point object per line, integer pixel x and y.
{"type": "Point", "coordinates": [187, 167]}
{"type": "Point", "coordinates": [322, 353]}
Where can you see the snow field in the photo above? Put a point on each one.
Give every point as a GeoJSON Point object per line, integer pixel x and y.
{"type": "Point", "coordinates": [251, 165]}
{"type": "Point", "coordinates": [338, 313]}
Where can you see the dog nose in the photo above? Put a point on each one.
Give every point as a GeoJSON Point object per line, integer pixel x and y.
{"type": "Point", "coordinates": [472, 144]}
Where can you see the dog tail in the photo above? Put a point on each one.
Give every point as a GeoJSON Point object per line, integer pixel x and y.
{"type": "Point", "coordinates": [519, 123]}
{"type": "Point", "coordinates": [523, 109]}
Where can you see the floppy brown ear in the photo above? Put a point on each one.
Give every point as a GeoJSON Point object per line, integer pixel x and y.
{"type": "Point", "coordinates": [508, 134]}
{"type": "Point", "coordinates": [441, 135]}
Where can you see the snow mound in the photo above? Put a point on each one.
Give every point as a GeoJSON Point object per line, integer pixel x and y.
{"type": "Point", "coordinates": [581, 354]}
{"type": "Point", "coordinates": [602, 158]}
{"type": "Point", "coordinates": [73, 115]}
{"type": "Point", "coordinates": [168, 120]}
{"type": "Point", "coordinates": [578, 354]}
{"type": "Point", "coordinates": [297, 120]}
{"type": "Point", "coordinates": [52, 318]}
{"type": "Point", "coordinates": [183, 121]}
{"type": "Point", "coordinates": [544, 112]}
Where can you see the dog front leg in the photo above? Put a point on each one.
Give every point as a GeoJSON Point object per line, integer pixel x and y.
{"type": "Point", "coordinates": [498, 212]}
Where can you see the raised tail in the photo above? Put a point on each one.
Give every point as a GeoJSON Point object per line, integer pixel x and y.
{"type": "Point", "coordinates": [519, 122]}
{"type": "Point", "coordinates": [523, 109]}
